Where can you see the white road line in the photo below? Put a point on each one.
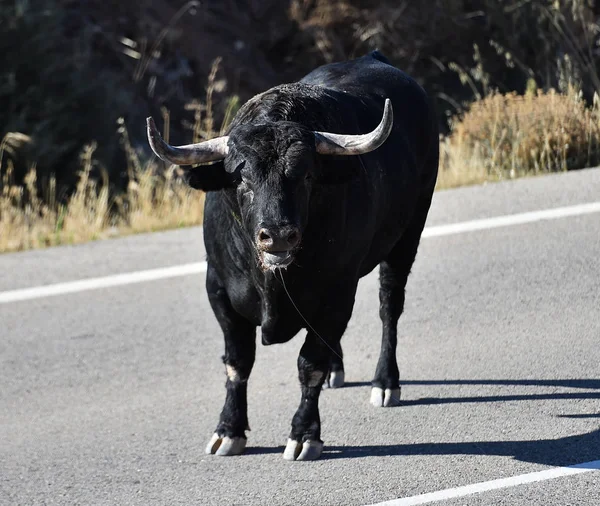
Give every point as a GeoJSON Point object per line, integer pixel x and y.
{"type": "Point", "coordinates": [511, 219]}
{"type": "Point", "coordinates": [199, 267]}
{"type": "Point", "coordinates": [103, 282]}
{"type": "Point", "coordinates": [486, 486]}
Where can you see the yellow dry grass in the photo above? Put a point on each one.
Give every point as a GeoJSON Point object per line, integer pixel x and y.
{"type": "Point", "coordinates": [151, 203]}
{"type": "Point", "coordinates": [500, 137]}
{"type": "Point", "coordinates": [509, 136]}
{"type": "Point", "coordinates": [154, 199]}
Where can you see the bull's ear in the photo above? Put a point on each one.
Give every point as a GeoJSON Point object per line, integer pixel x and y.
{"type": "Point", "coordinates": [207, 177]}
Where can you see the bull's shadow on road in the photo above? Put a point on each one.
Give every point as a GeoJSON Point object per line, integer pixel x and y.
{"type": "Point", "coordinates": [585, 384]}
{"type": "Point", "coordinates": [563, 451]}
{"type": "Point", "coordinates": [556, 452]}
{"type": "Point", "coordinates": [553, 452]}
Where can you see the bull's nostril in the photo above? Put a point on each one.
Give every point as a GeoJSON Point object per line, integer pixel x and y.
{"type": "Point", "coordinates": [293, 238]}
{"type": "Point", "coordinates": [263, 236]}
{"type": "Point", "coordinates": [278, 238]}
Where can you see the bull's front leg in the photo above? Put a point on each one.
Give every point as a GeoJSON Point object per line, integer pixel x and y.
{"type": "Point", "coordinates": [305, 441]}
{"type": "Point", "coordinates": [314, 363]}
{"type": "Point", "coordinates": [240, 349]}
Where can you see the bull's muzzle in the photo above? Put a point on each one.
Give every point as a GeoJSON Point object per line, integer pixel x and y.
{"type": "Point", "coordinates": [276, 245]}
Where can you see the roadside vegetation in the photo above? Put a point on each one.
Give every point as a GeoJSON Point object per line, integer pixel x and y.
{"type": "Point", "coordinates": [517, 94]}
{"type": "Point", "coordinates": [151, 202]}
{"type": "Point", "coordinates": [154, 198]}
{"type": "Point", "coordinates": [508, 136]}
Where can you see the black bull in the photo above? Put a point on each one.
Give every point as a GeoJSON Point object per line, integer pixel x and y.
{"type": "Point", "coordinates": [299, 207]}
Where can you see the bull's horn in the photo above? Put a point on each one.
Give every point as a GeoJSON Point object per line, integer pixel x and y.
{"type": "Point", "coordinates": [340, 144]}
{"type": "Point", "coordinates": [191, 154]}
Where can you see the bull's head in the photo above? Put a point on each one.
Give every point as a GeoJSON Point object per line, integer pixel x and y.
{"type": "Point", "coordinates": [272, 167]}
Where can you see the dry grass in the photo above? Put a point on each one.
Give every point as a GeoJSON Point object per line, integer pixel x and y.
{"type": "Point", "coordinates": [154, 199]}
{"type": "Point", "coordinates": [508, 136]}
{"type": "Point", "coordinates": [151, 203]}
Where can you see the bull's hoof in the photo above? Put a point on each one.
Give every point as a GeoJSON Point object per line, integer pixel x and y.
{"type": "Point", "coordinates": [225, 446]}
{"type": "Point", "coordinates": [309, 450]}
{"type": "Point", "coordinates": [389, 397]}
{"type": "Point", "coordinates": [335, 379]}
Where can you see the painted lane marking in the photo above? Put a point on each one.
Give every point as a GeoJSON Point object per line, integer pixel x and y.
{"type": "Point", "coordinates": [511, 219]}
{"type": "Point", "coordinates": [82, 285]}
{"type": "Point", "coordinates": [200, 267]}
{"type": "Point", "coordinates": [486, 486]}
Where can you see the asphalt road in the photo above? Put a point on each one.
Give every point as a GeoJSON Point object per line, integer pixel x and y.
{"type": "Point", "coordinates": [108, 396]}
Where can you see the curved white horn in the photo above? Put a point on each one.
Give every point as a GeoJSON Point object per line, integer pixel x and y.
{"type": "Point", "coordinates": [340, 144]}
{"type": "Point", "coordinates": [191, 154]}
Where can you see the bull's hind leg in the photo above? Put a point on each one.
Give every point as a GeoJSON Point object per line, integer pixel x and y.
{"type": "Point", "coordinates": [393, 275]}
{"type": "Point", "coordinates": [240, 349]}
{"type": "Point", "coordinates": [335, 378]}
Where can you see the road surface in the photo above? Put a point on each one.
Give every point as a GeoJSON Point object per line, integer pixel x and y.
{"type": "Point", "coordinates": [109, 392]}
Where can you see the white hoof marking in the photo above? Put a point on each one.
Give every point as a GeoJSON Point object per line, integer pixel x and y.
{"type": "Point", "coordinates": [336, 379]}
{"type": "Point", "coordinates": [381, 398]}
{"type": "Point", "coordinates": [309, 450]}
{"type": "Point", "coordinates": [292, 450]}
{"type": "Point", "coordinates": [225, 446]}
